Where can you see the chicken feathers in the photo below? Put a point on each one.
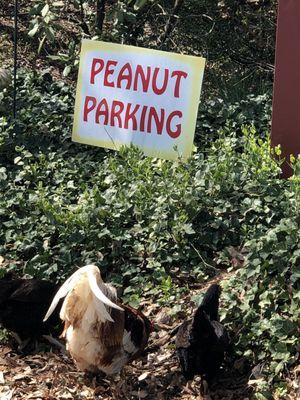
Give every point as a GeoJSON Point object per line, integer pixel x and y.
{"type": "Point", "coordinates": [23, 303]}
{"type": "Point", "coordinates": [100, 334]}
{"type": "Point", "coordinates": [201, 342]}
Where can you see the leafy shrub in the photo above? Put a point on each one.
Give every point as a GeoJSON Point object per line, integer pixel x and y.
{"type": "Point", "coordinates": [139, 214]}
{"type": "Point", "coordinates": [216, 114]}
{"type": "Point", "coordinates": [154, 226]}
{"type": "Point", "coordinates": [264, 305]}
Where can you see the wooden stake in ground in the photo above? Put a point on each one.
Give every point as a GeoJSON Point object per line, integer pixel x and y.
{"type": "Point", "coordinates": [286, 103]}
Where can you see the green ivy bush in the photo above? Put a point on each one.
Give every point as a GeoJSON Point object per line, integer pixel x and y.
{"type": "Point", "coordinates": [264, 304]}
{"type": "Point", "coordinates": [154, 226]}
{"type": "Point", "coordinates": [262, 299]}
{"type": "Point", "coordinates": [216, 114]}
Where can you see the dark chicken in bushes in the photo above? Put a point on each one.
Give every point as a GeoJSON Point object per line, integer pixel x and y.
{"type": "Point", "coordinates": [202, 342]}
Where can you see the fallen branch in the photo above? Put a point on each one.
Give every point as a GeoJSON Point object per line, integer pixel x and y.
{"type": "Point", "coordinates": [171, 22]}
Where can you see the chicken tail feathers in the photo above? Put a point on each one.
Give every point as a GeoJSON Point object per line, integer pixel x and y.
{"type": "Point", "coordinates": [98, 292]}
{"type": "Point", "coordinates": [62, 292]}
{"type": "Point", "coordinates": [210, 302]}
{"type": "Point", "coordinates": [202, 326]}
{"type": "Point", "coordinates": [91, 272]}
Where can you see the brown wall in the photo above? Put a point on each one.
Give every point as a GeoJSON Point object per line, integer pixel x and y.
{"type": "Point", "coordinates": [286, 100]}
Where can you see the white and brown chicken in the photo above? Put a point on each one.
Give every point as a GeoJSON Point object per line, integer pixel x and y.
{"type": "Point", "coordinates": [101, 333]}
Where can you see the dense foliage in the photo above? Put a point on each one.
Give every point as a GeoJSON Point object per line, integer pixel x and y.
{"type": "Point", "coordinates": [154, 226]}
{"type": "Point", "coordinates": [267, 296]}
{"type": "Point", "coordinates": [237, 38]}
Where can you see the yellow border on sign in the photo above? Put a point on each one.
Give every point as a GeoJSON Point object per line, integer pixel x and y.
{"type": "Point", "coordinates": [196, 64]}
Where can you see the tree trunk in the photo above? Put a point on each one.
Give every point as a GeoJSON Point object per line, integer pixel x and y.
{"type": "Point", "coordinates": [100, 14]}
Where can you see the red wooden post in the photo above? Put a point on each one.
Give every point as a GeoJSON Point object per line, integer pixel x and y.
{"type": "Point", "coordinates": [286, 100]}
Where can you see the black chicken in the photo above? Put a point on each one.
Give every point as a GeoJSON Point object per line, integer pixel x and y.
{"type": "Point", "coordinates": [202, 342]}
{"type": "Point", "coordinates": [23, 304]}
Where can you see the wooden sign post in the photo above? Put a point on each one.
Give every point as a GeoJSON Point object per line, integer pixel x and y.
{"type": "Point", "coordinates": [286, 100]}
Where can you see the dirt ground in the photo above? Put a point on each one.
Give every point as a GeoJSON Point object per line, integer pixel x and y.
{"type": "Point", "coordinates": [51, 375]}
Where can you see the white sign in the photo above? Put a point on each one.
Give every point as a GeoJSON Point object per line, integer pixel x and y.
{"type": "Point", "coordinates": [133, 95]}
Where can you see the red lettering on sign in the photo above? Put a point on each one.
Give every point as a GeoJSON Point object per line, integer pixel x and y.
{"type": "Point", "coordinates": [138, 77]}
{"type": "Point", "coordinates": [159, 121]}
{"type": "Point", "coordinates": [109, 71]}
{"type": "Point", "coordinates": [116, 113]}
{"type": "Point", "coordinates": [156, 90]}
{"type": "Point", "coordinates": [88, 108]}
{"type": "Point", "coordinates": [97, 67]}
{"type": "Point", "coordinates": [143, 117]}
{"type": "Point", "coordinates": [135, 117]}
{"type": "Point", "coordinates": [131, 116]}
{"type": "Point", "coordinates": [178, 75]}
{"type": "Point", "coordinates": [144, 79]}
{"type": "Point", "coordinates": [102, 110]}
{"type": "Point", "coordinates": [125, 75]}
{"type": "Point", "coordinates": [173, 133]}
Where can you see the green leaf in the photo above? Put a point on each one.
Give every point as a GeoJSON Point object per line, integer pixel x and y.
{"type": "Point", "coordinates": [139, 4]}
{"type": "Point", "coordinates": [49, 33]}
{"type": "Point", "coordinates": [3, 175]}
{"type": "Point", "coordinates": [34, 30]}
{"type": "Point", "coordinates": [45, 10]}
{"type": "Point", "coordinates": [67, 70]}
